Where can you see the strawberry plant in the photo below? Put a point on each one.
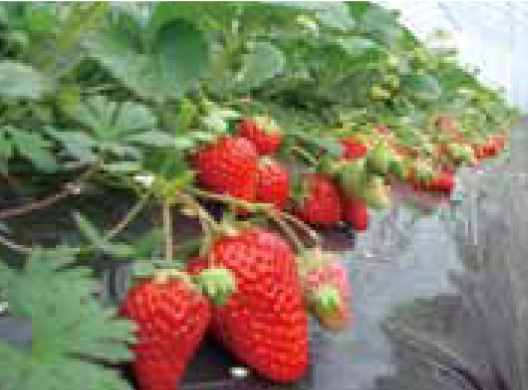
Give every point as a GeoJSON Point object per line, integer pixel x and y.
{"type": "Point", "coordinates": [258, 124]}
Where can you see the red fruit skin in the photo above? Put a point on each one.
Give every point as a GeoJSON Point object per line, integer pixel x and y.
{"type": "Point", "coordinates": [230, 167]}
{"type": "Point", "coordinates": [266, 142]}
{"type": "Point", "coordinates": [264, 322]}
{"type": "Point", "coordinates": [353, 149]}
{"type": "Point", "coordinates": [322, 207]}
{"type": "Point", "coordinates": [171, 319]}
{"type": "Point", "coordinates": [355, 212]}
{"type": "Point", "coordinates": [331, 274]}
{"type": "Point", "coordinates": [273, 184]}
{"type": "Point", "coordinates": [444, 182]}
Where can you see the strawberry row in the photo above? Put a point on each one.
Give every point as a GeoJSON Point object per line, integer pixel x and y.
{"type": "Point", "coordinates": [248, 286]}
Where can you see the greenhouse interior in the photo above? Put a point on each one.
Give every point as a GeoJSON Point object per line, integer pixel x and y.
{"type": "Point", "coordinates": [263, 195]}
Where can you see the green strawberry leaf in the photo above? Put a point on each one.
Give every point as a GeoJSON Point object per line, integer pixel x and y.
{"type": "Point", "coordinates": [35, 148]}
{"type": "Point", "coordinates": [78, 145]}
{"type": "Point", "coordinates": [21, 81]}
{"type": "Point", "coordinates": [6, 146]}
{"type": "Point", "coordinates": [91, 233]}
{"type": "Point", "coordinates": [72, 333]}
{"type": "Point", "coordinates": [181, 54]}
{"type": "Point", "coordinates": [110, 120]}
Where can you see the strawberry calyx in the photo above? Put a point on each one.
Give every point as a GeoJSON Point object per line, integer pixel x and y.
{"type": "Point", "coordinates": [267, 124]}
{"type": "Point", "coordinates": [326, 301]}
{"type": "Point", "coordinates": [314, 258]}
{"type": "Point", "coordinates": [217, 283]}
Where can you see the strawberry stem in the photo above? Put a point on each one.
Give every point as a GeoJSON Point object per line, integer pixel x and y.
{"type": "Point", "coordinates": [208, 224]}
{"type": "Point", "coordinates": [307, 156]}
{"type": "Point", "coordinates": [167, 231]}
{"type": "Point", "coordinates": [129, 216]}
{"type": "Point", "coordinates": [228, 199]}
{"type": "Point", "coordinates": [288, 231]}
{"type": "Point", "coordinates": [269, 210]}
{"type": "Point", "coordinates": [304, 227]}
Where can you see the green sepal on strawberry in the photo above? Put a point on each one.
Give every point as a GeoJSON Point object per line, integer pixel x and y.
{"type": "Point", "coordinates": [171, 317]}
{"type": "Point", "coordinates": [264, 322]}
{"type": "Point", "coordinates": [217, 283]}
{"type": "Point", "coordinates": [263, 132]}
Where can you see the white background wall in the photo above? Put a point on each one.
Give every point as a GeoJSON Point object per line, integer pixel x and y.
{"type": "Point", "coordinates": [491, 35]}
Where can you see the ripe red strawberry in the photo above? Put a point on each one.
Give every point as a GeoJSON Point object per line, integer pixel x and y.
{"type": "Point", "coordinates": [273, 183]}
{"type": "Point", "coordinates": [355, 212]}
{"type": "Point", "coordinates": [229, 166]}
{"type": "Point", "coordinates": [322, 205]}
{"type": "Point", "coordinates": [264, 322]}
{"type": "Point", "coordinates": [443, 182]}
{"type": "Point", "coordinates": [326, 289]}
{"type": "Point", "coordinates": [172, 318]}
{"type": "Point", "coordinates": [492, 149]}
{"type": "Point", "coordinates": [263, 133]}
{"type": "Point", "coordinates": [353, 149]}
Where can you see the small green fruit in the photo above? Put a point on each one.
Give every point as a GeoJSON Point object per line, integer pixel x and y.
{"type": "Point", "coordinates": [376, 193]}
{"type": "Point", "coordinates": [399, 168]}
{"type": "Point", "coordinates": [379, 160]}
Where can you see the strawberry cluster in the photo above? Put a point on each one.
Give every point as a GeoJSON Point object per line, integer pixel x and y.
{"type": "Point", "coordinates": [250, 288]}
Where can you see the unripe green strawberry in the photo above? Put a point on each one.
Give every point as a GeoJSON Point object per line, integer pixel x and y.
{"type": "Point", "coordinates": [352, 178]}
{"type": "Point", "coordinates": [376, 193]}
{"type": "Point", "coordinates": [379, 160]}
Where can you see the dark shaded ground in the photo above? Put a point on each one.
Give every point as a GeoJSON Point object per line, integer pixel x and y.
{"type": "Point", "coordinates": [439, 301]}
